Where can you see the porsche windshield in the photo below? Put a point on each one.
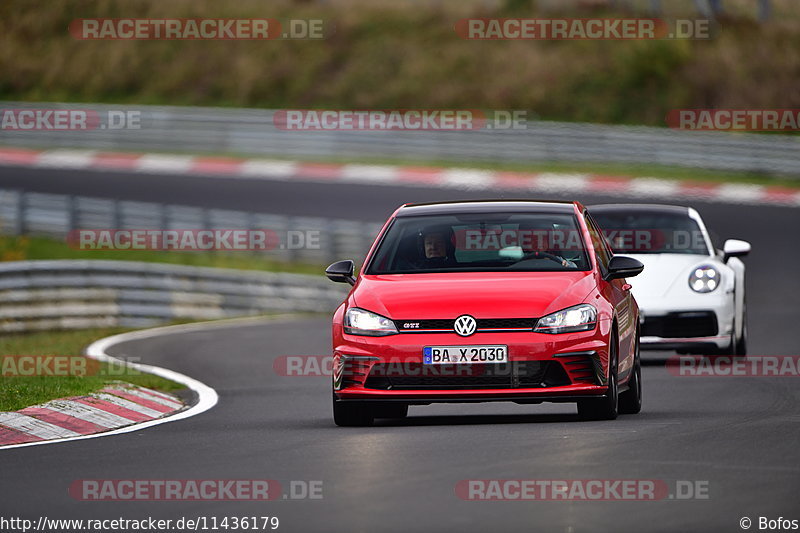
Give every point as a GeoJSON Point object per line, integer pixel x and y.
{"type": "Point", "coordinates": [645, 232]}
{"type": "Point", "coordinates": [526, 242]}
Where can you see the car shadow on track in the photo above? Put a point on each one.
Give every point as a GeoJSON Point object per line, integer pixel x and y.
{"type": "Point", "coordinates": [655, 360]}
{"type": "Point", "coordinates": [676, 360]}
{"type": "Point", "coordinates": [469, 420]}
{"type": "Point", "coordinates": [656, 357]}
{"type": "Point", "coordinates": [544, 418]}
{"type": "Point", "coordinates": [497, 419]}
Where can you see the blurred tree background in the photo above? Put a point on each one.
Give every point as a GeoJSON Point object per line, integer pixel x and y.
{"type": "Point", "coordinates": [406, 54]}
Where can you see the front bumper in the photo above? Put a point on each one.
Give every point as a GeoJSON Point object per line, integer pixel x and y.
{"type": "Point", "coordinates": [541, 367]}
{"type": "Point", "coordinates": [518, 398]}
{"type": "Point", "coordinates": [694, 323]}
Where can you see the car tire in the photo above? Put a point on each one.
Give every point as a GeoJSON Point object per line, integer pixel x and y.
{"type": "Point", "coordinates": [741, 342]}
{"type": "Point", "coordinates": [352, 413]}
{"type": "Point", "coordinates": [630, 401]}
{"type": "Point", "coordinates": [738, 346]}
{"type": "Point", "coordinates": [391, 410]}
{"type": "Point", "coordinates": [605, 408]}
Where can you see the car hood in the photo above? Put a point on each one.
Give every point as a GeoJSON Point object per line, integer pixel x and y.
{"type": "Point", "coordinates": [662, 271]}
{"type": "Point", "coordinates": [482, 295]}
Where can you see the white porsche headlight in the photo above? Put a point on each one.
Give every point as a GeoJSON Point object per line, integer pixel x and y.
{"type": "Point", "coordinates": [704, 278]}
{"type": "Point", "coordinates": [578, 318]}
{"type": "Point", "coordinates": [361, 322]}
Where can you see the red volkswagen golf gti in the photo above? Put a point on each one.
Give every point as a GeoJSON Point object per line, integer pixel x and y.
{"type": "Point", "coordinates": [481, 301]}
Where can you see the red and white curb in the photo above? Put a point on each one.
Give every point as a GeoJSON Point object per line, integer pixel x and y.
{"type": "Point", "coordinates": [116, 406]}
{"type": "Point", "coordinates": [442, 177]}
{"type": "Point", "coordinates": [69, 419]}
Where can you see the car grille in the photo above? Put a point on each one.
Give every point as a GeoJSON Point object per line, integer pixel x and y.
{"type": "Point", "coordinates": [518, 374]}
{"type": "Point", "coordinates": [483, 324]}
{"type": "Point", "coordinates": [681, 325]}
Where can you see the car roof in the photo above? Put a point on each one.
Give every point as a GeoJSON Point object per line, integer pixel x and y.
{"type": "Point", "coordinates": [486, 206]}
{"type": "Point", "coordinates": [639, 208]}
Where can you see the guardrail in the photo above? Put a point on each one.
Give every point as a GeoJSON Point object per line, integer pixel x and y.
{"type": "Point", "coordinates": [24, 213]}
{"type": "Point", "coordinates": [252, 132]}
{"type": "Point", "coordinates": [66, 294]}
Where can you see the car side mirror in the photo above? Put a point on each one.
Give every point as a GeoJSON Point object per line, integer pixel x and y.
{"type": "Point", "coordinates": [621, 266]}
{"type": "Point", "coordinates": [734, 248]}
{"type": "Point", "coordinates": [341, 272]}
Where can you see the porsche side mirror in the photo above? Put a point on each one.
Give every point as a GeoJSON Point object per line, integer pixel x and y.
{"type": "Point", "coordinates": [734, 248]}
{"type": "Point", "coordinates": [623, 267]}
{"type": "Point", "coordinates": [341, 272]}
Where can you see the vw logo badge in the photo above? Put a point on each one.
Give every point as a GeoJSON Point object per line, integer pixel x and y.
{"type": "Point", "coordinates": [465, 325]}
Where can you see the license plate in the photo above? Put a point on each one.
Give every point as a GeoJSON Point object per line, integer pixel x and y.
{"type": "Point", "coordinates": [443, 355]}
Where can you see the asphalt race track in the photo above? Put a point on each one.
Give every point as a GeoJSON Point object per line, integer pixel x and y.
{"type": "Point", "coordinates": [738, 436]}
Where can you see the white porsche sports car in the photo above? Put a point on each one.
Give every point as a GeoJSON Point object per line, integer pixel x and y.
{"type": "Point", "coordinates": [691, 296]}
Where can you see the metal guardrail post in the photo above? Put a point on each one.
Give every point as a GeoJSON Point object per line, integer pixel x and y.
{"type": "Point", "coordinates": [72, 213]}
{"type": "Point", "coordinates": [163, 215]}
{"type": "Point", "coordinates": [116, 215]}
{"type": "Point", "coordinates": [19, 214]}
{"type": "Point", "coordinates": [22, 201]}
{"type": "Point", "coordinates": [291, 253]}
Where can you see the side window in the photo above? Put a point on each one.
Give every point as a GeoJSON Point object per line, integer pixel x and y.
{"type": "Point", "coordinates": [601, 248]}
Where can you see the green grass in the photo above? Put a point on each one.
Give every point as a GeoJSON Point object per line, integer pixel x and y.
{"type": "Point", "coordinates": [39, 248]}
{"type": "Point", "coordinates": [19, 392]}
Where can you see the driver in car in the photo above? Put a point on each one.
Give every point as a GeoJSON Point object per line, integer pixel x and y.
{"type": "Point", "coordinates": [435, 248]}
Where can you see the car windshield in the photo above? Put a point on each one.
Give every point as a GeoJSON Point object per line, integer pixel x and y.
{"type": "Point", "coordinates": [481, 242]}
{"type": "Point", "coordinates": [645, 232]}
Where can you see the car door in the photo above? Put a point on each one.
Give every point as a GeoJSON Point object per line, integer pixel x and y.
{"type": "Point", "coordinates": [617, 292]}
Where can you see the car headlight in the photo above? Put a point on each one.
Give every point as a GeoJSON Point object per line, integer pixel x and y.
{"type": "Point", "coordinates": [361, 322]}
{"type": "Point", "coordinates": [579, 318]}
{"type": "Point", "coordinates": [704, 279]}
